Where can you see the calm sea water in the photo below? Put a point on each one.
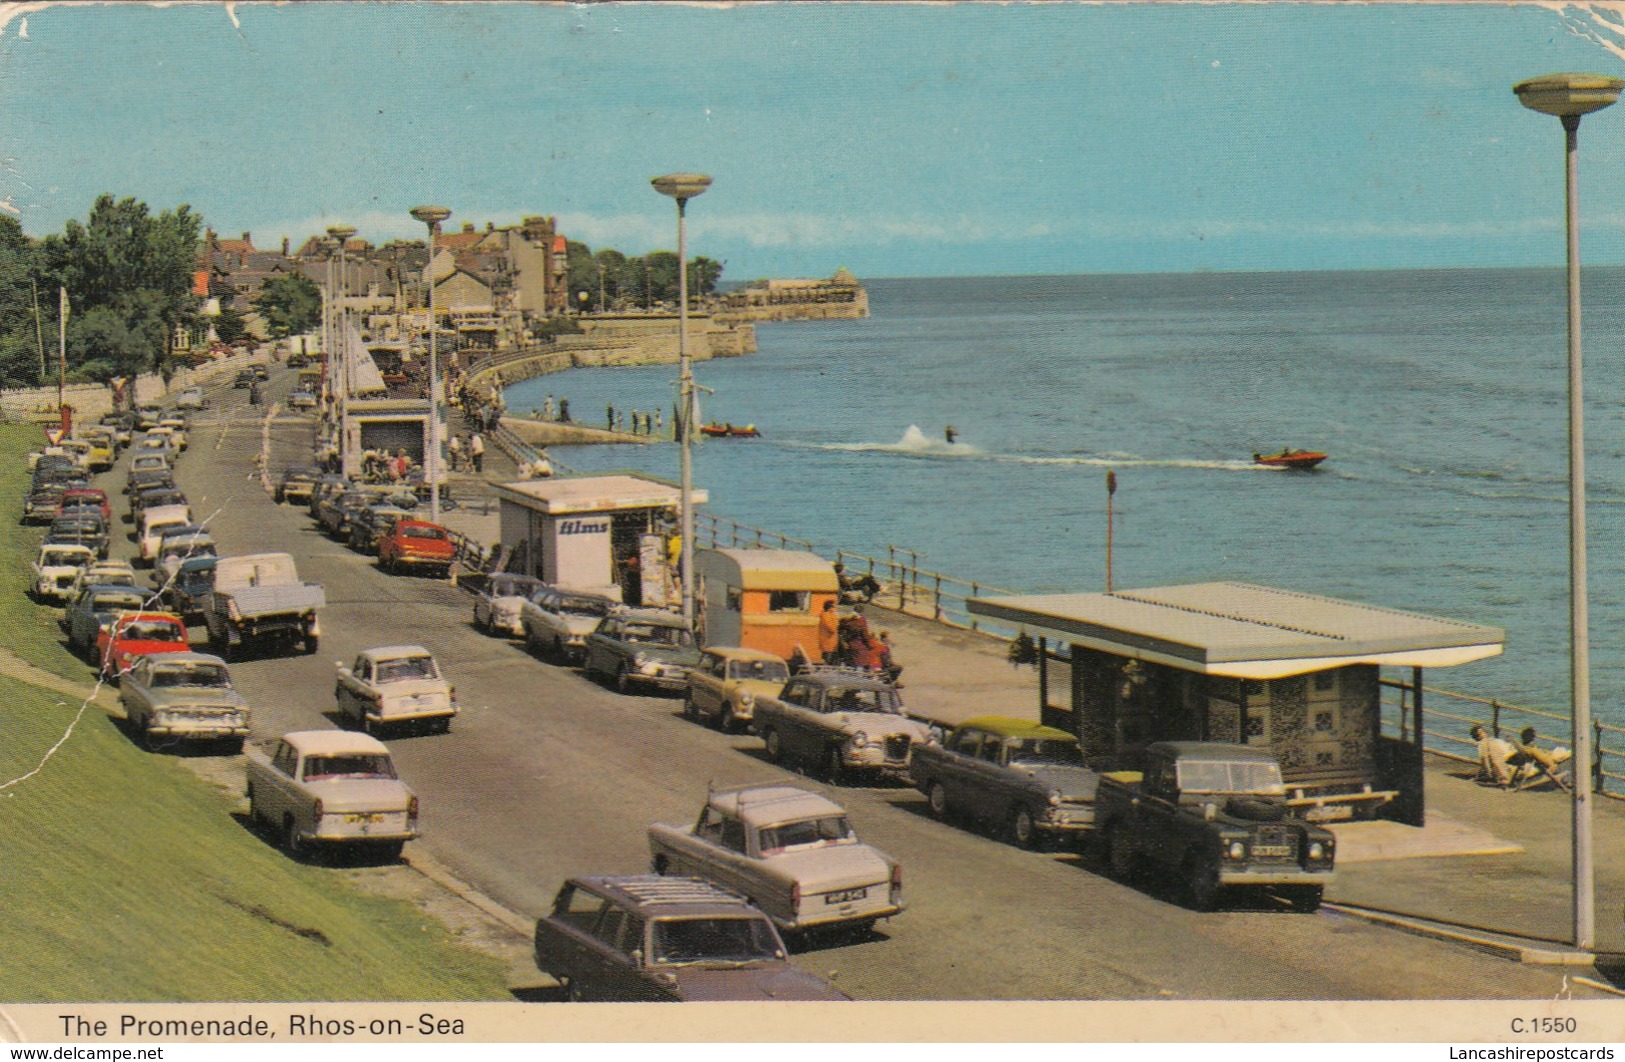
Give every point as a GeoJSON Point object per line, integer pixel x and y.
{"type": "Point", "coordinates": [1440, 396]}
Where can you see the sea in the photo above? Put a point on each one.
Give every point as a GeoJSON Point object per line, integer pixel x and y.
{"type": "Point", "coordinates": [1440, 397]}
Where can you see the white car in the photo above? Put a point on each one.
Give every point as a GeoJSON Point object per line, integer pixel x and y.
{"type": "Point", "coordinates": [153, 522]}
{"type": "Point", "coordinates": [56, 568]}
{"type": "Point", "coordinates": [183, 697]}
{"type": "Point", "coordinates": [191, 398]}
{"type": "Point", "coordinates": [394, 685]}
{"type": "Point", "coordinates": [331, 787]}
{"type": "Point", "coordinates": [556, 622]}
{"type": "Point", "coordinates": [102, 573]}
{"type": "Point", "coordinates": [176, 429]}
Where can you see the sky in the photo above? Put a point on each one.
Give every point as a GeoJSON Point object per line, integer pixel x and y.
{"type": "Point", "coordinates": [893, 139]}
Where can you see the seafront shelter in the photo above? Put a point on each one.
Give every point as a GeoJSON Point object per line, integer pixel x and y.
{"type": "Point", "coordinates": [767, 599]}
{"type": "Point", "coordinates": [1297, 673]}
{"type": "Point", "coordinates": [603, 534]}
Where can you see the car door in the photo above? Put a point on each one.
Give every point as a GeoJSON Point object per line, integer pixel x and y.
{"type": "Point", "coordinates": [708, 683]}
{"type": "Point", "coordinates": [352, 685]}
{"type": "Point", "coordinates": [957, 766]}
{"type": "Point", "coordinates": [566, 943]}
{"type": "Point", "coordinates": [809, 730]}
{"type": "Point", "coordinates": [619, 975]}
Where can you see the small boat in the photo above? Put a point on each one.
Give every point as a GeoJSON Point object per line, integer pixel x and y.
{"type": "Point", "coordinates": [728, 431]}
{"type": "Point", "coordinates": [1290, 458]}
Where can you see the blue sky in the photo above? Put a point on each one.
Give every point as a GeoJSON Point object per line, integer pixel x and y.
{"type": "Point", "coordinates": [893, 139]}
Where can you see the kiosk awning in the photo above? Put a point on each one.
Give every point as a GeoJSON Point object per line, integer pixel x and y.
{"type": "Point", "coordinates": [1244, 631]}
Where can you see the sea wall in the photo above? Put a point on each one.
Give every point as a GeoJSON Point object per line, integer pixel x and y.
{"type": "Point", "coordinates": [629, 339]}
{"type": "Point", "coordinates": [91, 401]}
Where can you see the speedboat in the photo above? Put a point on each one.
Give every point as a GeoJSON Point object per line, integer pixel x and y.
{"type": "Point", "coordinates": [729, 431]}
{"type": "Point", "coordinates": [1290, 458]}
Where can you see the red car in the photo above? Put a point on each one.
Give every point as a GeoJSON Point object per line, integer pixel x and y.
{"type": "Point", "coordinates": [136, 634]}
{"type": "Point", "coordinates": [417, 544]}
{"type": "Point", "coordinates": [78, 496]}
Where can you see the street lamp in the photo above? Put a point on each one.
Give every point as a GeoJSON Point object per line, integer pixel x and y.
{"type": "Point", "coordinates": [683, 187]}
{"type": "Point", "coordinates": [338, 369]}
{"type": "Point", "coordinates": [1568, 96]}
{"type": "Point", "coordinates": [432, 216]}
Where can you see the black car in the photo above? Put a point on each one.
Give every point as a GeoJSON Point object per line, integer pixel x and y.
{"type": "Point", "coordinates": [659, 939]}
{"type": "Point", "coordinates": [338, 512]}
{"type": "Point", "coordinates": [81, 527]}
{"type": "Point", "coordinates": [372, 524]}
{"type": "Point", "coordinates": [41, 506]}
{"type": "Point", "coordinates": [148, 478]}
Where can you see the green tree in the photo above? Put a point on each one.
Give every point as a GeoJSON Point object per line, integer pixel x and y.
{"type": "Point", "coordinates": [611, 265]}
{"type": "Point", "coordinates": [703, 275]}
{"type": "Point", "coordinates": [291, 305]}
{"type": "Point", "coordinates": [19, 339]}
{"type": "Point", "coordinates": [228, 327]}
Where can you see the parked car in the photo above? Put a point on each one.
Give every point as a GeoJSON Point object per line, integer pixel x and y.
{"type": "Point", "coordinates": [102, 573]}
{"type": "Point", "coordinates": [136, 634]}
{"type": "Point", "coordinates": [42, 503]}
{"type": "Point", "coordinates": [1010, 774]}
{"type": "Point", "coordinates": [157, 461]}
{"type": "Point", "coordinates": [640, 647]}
{"type": "Point", "coordinates": [183, 697]}
{"type": "Point", "coordinates": [153, 497]}
{"type": "Point", "coordinates": [245, 378]}
{"type": "Point", "coordinates": [328, 483]}
{"type": "Point", "coordinates": [393, 686]}
{"type": "Point", "coordinates": [643, 939]}
{"type": "Point", "coordinates": [148, 478]}
{"type": "Point", "coordinates": [93, 495]}
{"type": "Point", "coordinates": [337, 511]}
{"type": "Point", "coordinates": [100, 455]}
{"type": "Point", "coordinates": [839, 720]}
{"type": "Point", "coordinates": [302, 399]}
{"type": "Point", "coordinates": [154, 520]}
{"type": "Point", "coordinates": [295, 485]}
{"type": "Point", "coordinates": [146, 415]}
{"type": "Point", "coordinates": [557, 622]}
{"type": "Point", "coordinates": [791, 851]}
{"type": "Point", "coordinates": [333, 788]}
{"type": "Point", "coordinates": [417, 545]}
{"type": "Point", "coordinates": [84, 526]}
{"type": "Point", "coordinates": [724, 686]}
{"type": "Point", "coordinates": [497, 604]}
{"type": "Point", "coordinates": [177, 545]}
{"type": "Point", "coordinates": [93, 608]}
{"type": "Point", "coordinates": [175, 427]}
{"type": "Point", "coordinates": [57, 566]}
{"type": "Point", "coordinates": [191, 398]}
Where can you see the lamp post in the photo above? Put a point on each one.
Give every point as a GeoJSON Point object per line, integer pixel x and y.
{"type": "Point", "coordinates": [338, 368]}
{"type": "Point", "coordinates": [432, 216]}
{"type": "Point", "coordinates": [1569, 96]}
{"type": "Point", "coordinates": [683, 187]}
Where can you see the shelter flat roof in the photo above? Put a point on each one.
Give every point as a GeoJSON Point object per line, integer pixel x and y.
{"type": "Point", "coordinates": [1245, 631]}
{"type": "Point", "coordinates": [595, 494]}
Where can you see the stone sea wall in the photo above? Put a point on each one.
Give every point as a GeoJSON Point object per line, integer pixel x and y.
{"type": "Point", "coordinates": [632, 339]}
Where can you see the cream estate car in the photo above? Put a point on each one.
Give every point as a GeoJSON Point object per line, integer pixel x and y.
{"type": "Point", "coordinates": [57, 567]}
{"type": "Point", "coordinates": [183, 697]}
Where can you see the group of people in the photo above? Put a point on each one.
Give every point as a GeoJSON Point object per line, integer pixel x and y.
{"type": "Point", "coordinates": [642, 423]}
{"type": "Point", "coordinates": [847, 640]}
{"type": "Point", "coordinates": [379, 466]}
{"type": "Point", "coordinates": [473, 454]}
{"type": "Point", "coordinates": [1520, 764]}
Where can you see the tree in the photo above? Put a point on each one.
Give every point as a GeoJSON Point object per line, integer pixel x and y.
{"type": "Point", "coordinates": [228, 327]}
{"type": "Point", "coordinates": [119, 341]}
{"type": "Point", "coordinates": [703, 275]}
{"type": "Point", "coordinates": [19, 338]}
{"type": "Point", "coordinates": [291, 305]}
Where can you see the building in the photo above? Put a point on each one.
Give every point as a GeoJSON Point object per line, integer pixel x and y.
{"type": "Point", "coordinates": [1297, 673]}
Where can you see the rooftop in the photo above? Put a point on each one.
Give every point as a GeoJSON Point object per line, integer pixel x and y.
{"type": "Point", "coordinates": [595, 494]}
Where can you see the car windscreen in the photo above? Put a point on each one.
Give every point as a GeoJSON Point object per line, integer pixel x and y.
{"type": "Point", "coordinates": [862, 699]}
{"type": "Point", "coordinates": [817, 832]}
{"type": "Point", "coordinates": [202, 676]}
{"type": "Point", "coordinates": [1043, 750]}
{"type": "Point", "coordinates": [583, 606]}
{"type": "Point", "coordinates": [54, 558]}
{"type": "Point", "coordinates": [765, 670]}
{"type": "Point", "coordinates": [407, 668]}
{"type": "Point", "coordinates": [152, 631]}
{"type": "Point", "coordinates": [116, 602]}
{"type": "Point", "coordinates": [748, 938]}
{"type": "Point", "coordinates": [1219, 776]}
{"type": "Point", "coordinates": [657, 634]}
{"type": "Point", "coordinates": [354, 765]}
{"type": "Point", "coordinates": [423, 532]}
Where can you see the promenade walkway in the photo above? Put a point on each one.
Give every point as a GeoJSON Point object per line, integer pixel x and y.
{"type": "Point", "coordinates": [1491, 868]}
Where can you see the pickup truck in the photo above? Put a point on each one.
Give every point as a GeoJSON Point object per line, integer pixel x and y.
{"type": "Point", "coordinates": [259, 598]}
{"type": "Point", "coordinates": [330, 787]}
{"type": "Point", "coordinates": [788, 851]}
{"type": "Point", "coordinates": [1216, 817]}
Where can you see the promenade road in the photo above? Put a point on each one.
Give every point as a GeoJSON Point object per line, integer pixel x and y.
{"type": "Point", "coordinates": [546, 774]}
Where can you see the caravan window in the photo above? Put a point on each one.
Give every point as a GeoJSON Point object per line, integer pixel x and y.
{"type": "Point", "coordinates": [788, 600]}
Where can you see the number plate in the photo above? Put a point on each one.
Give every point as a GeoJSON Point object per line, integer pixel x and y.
{"type": "Point", "coordinates": [846, 895]}
{"type": "Point", "coordinates": [371, 817]}
{"type": "Point", "coordinates": [1272, 851]}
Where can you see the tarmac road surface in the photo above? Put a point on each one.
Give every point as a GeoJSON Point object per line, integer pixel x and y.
{"type": "Point", "coordinates": [546, 774]}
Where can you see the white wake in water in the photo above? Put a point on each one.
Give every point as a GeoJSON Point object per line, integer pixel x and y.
{"type": "Point", "coordinates": [915, 443]}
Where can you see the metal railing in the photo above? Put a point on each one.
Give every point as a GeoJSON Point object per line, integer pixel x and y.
{"type": "Point", "coordinates": [1445, 730]}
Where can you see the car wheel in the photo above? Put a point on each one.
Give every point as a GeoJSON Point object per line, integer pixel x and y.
{"type": "Point", "coordinates": [254, 821]}
{"type": "Point", "coordinates": [623, 679]}
{"type": "Point", "coordinates": [726, 721]}
{"type": "Point", "coordinates": [834, 766]}
{"type": "Point", "coordinates": [662, 865]}
{"type": "Point", "coordinates": [558, 653]}
{"type": "Point", "coordinates": [291, 839]}
{"type": "Point", "coordinates": [312, 643]}
{"type": "Point", "coordinates": [775, 746]}
{"type": "Point", "coordinates": [572, 992]}
{"type": "Point", "coordinates": [1023, 831]}
{"type": "Point", "coordinates": [1120, 858]}
{"type": "Point", "coordinates": [937, 799]}
{"type": "Point", "coordinates": [691, 711]}
{"type": "Point", "coordinates": [1306, 898]}
{"type": "Point", "coordinates": [1201, 883]}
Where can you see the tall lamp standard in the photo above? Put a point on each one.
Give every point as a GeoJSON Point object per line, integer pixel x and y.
{"type": "Point", "coordinates": [1569, 96]}
{"type": "Point", "coordinates": [338, 366]}
{"type": "Point", "coordinates": [683, 187]}
{"type": "Point", "coordinates": [432, 216]}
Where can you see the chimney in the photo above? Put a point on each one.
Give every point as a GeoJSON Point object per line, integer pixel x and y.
{"type": "Point", "coordinates": [468, 226]}
{"type": "Point", "coordinates": [246, 238]}
{"type": "Point", "coordinates": [284, 247]}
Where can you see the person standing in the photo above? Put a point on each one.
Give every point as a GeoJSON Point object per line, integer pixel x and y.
{"type": "Point", "coordinates": [564, 410]}
{"type": "Point", "coordinates": [547, 408]}
{"type": "Point", "coordinates": [829, 632]}
{"type": "Point", "coordinates": [609, 417]}
{"type": "Point", "coordinates": [456, 448]}
{"type": "Point", "coordinates": [476, 452]}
